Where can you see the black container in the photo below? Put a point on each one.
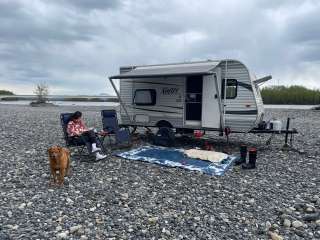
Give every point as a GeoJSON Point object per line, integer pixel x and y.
{"type": "Point", "coordinates": [243, 152]}
{"type": "Point", "coordinates": [271, 126]}
{"type": "Point", "coordinates": [262, 125]}
{"type": "Point", "coordinates": [252, 159]}
{"type": "Point", "coordinates": [243, 155]}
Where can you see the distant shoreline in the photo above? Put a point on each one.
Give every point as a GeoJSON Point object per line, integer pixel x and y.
{"type": "Point", "coordinates": [62, 98]}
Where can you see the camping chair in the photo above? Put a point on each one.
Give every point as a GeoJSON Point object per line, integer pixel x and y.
{"type": "Point", "coordinates": [64, 118]}
{"type": "Point", "coordinates": [111, 126]}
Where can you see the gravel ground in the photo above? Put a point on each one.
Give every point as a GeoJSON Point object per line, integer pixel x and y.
{"type": "Point", "coordinates": [121, 199]}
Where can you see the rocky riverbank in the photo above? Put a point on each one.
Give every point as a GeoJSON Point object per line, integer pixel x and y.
{"type": "Point", "coordinates": [121, 199]}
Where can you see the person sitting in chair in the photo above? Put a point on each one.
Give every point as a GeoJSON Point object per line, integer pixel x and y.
{"type": "Point", "coordinates": [80, 133]}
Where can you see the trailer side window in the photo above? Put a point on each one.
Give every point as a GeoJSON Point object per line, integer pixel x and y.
{"type": "Point", "coordinates": [145, 97]}
{"type": "Point", "coordinates": [232, 88]}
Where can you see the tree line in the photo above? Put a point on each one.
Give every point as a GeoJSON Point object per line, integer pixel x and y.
{"type": "Point", "coordinates": [290, 95]}
{"type": "Point", "coordinates": [5, 92]}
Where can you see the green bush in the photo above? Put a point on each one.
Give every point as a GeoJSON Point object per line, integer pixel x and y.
{"type": "Point", "coordinates": [290, 95]}
{"type": "Point", "coordinates": [5, 92]}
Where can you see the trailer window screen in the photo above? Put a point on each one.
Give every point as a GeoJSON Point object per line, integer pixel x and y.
{"type": "Point", "coordinates": [231, 90]}
{"type": "Point", "coordinates": [145, 97]}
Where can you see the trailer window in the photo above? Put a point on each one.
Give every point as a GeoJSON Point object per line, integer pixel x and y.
{"type": "Point", "coordinates": [232, 88]}
{"type": "Point", "coordinates": [145, 97]}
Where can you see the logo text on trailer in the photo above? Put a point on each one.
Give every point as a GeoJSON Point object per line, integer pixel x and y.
{"type": "Point", "coordinates": [169, 91]}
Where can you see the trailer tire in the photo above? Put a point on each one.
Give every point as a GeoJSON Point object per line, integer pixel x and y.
{"type": "Point", "coordinates": [164, 137]}
{"type": "Point", "coordinates": [164, 123]}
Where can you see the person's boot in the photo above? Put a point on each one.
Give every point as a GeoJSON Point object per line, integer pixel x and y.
{"type": "Point", "coordinates": [243, 155]}
{"type": "Point", "coordinates": [252, 159]}
{"type": "Point", "coordinates": [100, 156]}
{"type": "Point", "coordinates": [95, 148]}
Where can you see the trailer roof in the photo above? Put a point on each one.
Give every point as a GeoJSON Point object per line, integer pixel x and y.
{"type": "Point", "coordinates": [168, 70]}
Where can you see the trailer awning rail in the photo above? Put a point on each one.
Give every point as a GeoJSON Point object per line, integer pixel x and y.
{"type": "Point", "coordinates": [169, 70]}
{"type": "Point", "coordinates": [159, 76]}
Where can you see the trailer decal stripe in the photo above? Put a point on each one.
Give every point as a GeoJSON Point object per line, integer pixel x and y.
{"type": "Point", "coordinates": [248, 112]}
{"type": "Point", "coordinates": [170, 106]}
{"type": "Point", "coordinates": [152, 110]}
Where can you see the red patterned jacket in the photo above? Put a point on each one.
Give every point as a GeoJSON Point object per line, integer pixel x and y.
{"type": "Point", "coordinates": [76, 128]}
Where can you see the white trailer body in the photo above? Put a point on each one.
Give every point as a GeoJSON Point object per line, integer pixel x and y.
{"type": "Point", "coordinates": [208, 95]}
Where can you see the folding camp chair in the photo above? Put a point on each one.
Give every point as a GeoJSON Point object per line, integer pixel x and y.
{"type": "Point", "coordinates": [64, 119]}
{"type": "Point", "coordinates": [111, 126]}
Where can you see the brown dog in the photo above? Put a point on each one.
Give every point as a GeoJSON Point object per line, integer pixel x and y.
{"type": "Point", "coordinates": [59, 159]}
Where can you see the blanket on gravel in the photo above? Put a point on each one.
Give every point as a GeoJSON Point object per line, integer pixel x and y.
{"type": "Point", "coordinates": [212, 156]}
{"type": "Point", "coordinates": [173, 157]}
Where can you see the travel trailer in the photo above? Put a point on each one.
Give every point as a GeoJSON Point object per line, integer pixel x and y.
{"type": "Point", "coordinates": [207, 95]}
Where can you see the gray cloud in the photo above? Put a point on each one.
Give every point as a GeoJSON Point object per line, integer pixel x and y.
{"type": "Point", "coordinates": [22, 23]}
{"type": "Point", "coordinates": [73, 45]}
{"type": "Point", "coordinates": [91, 4]}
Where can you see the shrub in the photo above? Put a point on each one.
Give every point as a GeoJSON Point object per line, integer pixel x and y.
{"type": "Point", "coordinates": [41, 91]}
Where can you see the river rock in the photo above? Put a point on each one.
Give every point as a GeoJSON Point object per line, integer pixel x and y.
{"type": "Point", "coordinates": [297, 224]}
{"type": "Point", "coordinates": [286, 216]}
{"type": "Point", "coordinates": [310, 208]}
{"type": "Point", "coordinates": [315, 198]}
{"type": "Point", "coordinates": [311, 217]}
{"type": "Point", "coordinates": [69, 201]}
{"type": "Point", "coordinates": [75, 228]}
{"type": "Point", "coordinates": [22, 206]}
{"type": "Point", "coordinates": [275, 236]}
{"type": "Point", "coordinates": [153, 220]}
{"type": "Point", "coordinates": [287, 223]}
{"type": "Point", "coordinates": [63, 235]}
{"type": "Point", "coordinates": [124, 196]}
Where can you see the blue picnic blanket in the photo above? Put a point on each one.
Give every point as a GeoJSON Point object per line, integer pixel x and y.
{"type": "Point", "coordinates": [173, 157]}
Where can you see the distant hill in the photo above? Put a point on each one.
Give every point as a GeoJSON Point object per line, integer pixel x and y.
{"type": "Point", "coordinates": [297, 95]}
{"type": "Point", "coordinates": [5, 92]}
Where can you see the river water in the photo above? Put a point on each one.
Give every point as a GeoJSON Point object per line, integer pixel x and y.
{"type": "Point", "coordinates": [64, 103]}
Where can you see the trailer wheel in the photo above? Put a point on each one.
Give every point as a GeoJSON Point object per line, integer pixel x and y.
{"type": "Point", "coordinates": [164, 137]}
{"type": "Point", "coordinates": [163, 123]}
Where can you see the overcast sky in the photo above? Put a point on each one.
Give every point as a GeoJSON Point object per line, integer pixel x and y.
{"type": "Point", "coordinates": [73, 45]}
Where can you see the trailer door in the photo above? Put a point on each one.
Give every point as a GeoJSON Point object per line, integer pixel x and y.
{"type": "Point", "coordinates": [210, 103]}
